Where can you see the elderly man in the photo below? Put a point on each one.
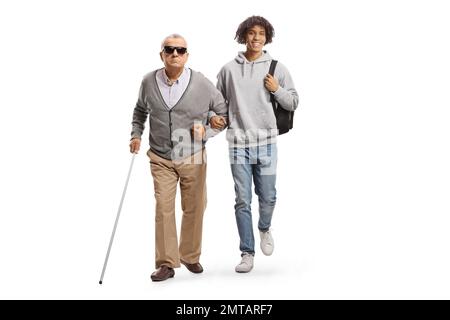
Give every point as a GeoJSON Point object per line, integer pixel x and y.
{"type": "Point", "coordinates": [177, 100]}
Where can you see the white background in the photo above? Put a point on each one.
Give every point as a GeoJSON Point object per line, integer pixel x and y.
{"type": "Point", "coordinates": [363, 179]}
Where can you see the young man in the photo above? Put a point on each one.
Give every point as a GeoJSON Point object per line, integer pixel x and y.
{"type": "Point", "coordinates": [177, 101]}
{"type": "Point", "coordinates": [247, 86]}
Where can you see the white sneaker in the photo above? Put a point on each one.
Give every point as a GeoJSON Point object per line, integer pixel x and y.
{"type": "Point", "coordinates": [267, 244]}
{"type": "Point", "coordinates": [246, 263]}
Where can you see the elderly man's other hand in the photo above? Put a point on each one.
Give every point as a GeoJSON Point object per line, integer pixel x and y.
{"type": "Point", "coordinates": [135, 145]}
{"type": "Point", "coordinates": [198, 131]}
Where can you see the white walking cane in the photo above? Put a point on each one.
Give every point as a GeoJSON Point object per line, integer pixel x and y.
{"type": "Point", "coordinates": [117, 220]}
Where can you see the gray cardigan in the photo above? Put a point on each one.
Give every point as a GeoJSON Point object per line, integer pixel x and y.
{"type": "Point", "coordinates": [170, 129]}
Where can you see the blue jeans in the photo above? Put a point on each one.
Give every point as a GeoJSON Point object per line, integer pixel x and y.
{"type": "Point", "coordinates": [259, 162]}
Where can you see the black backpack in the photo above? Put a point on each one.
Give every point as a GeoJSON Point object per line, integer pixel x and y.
{"type": "Point", "coordinates": [285, 118]}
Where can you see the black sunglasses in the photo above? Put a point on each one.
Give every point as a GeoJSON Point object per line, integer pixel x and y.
{"type": "Point", "coordinates": [170, 50]}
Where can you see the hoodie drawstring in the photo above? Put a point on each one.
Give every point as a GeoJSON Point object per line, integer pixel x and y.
{"type": "Point", "coordinates": [241, 59]}
{"type": "Point", "coordinates": [251, 69]}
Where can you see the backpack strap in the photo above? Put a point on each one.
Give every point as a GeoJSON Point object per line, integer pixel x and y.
{"type": "Point", "coordinates": [273, 65]}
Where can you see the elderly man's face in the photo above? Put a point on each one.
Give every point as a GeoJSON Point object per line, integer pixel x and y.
{"type": "Point", "coordinates": [175, 59]}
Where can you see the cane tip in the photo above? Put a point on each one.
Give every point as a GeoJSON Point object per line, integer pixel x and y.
{"type": "Point", "coordinates": [100, 282]}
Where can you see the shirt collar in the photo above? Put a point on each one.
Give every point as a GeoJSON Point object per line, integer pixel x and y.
{"type": "Point", "coordinates": [168, 81]}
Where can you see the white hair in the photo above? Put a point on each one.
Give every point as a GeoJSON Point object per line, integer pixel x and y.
{"type": "Point", "coordinates": [173, 35]}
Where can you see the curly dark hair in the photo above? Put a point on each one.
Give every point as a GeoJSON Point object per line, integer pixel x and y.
{"type": "Point", "coordinates": [250, 22]}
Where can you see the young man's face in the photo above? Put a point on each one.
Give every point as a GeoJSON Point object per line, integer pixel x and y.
{"type": "Point", "coordinates": [255, 38]}
{"type": "Point", "coordinates": [174, 59]}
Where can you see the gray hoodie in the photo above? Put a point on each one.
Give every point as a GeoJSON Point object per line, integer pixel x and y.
{"type": "Point", "coordinates": [251, 118]}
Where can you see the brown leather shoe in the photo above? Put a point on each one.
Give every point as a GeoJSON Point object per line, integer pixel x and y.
{"type": "Point", "coordinates": [162, 273]}
{"type": "Point", "coordinates": [194, 267]}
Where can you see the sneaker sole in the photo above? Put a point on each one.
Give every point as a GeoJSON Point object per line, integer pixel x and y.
{"type": "Point", "coordinates": [267, 254]}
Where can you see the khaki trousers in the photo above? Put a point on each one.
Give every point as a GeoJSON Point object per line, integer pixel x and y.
{"type": "Point", "coordinates": [191, 172]}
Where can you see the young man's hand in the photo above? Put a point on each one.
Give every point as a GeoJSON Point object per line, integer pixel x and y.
{"type": "Point", "coordinates": [271, 83]}
{"type": "Point", "coordinates": [135, 145]}
{"type": "Point", "coordinates": [217, 122]}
